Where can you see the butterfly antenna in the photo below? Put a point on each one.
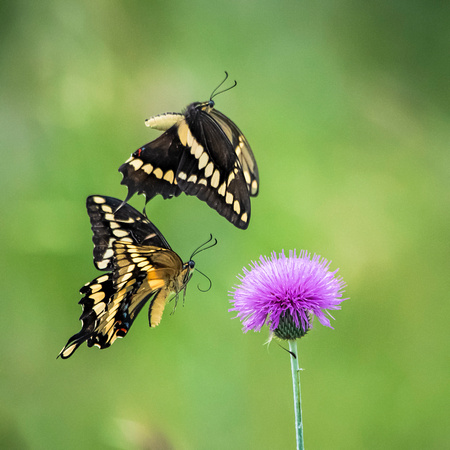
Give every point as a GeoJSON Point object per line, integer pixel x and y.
{"type": "Point", "coordinates": [202, 247]}
{"type": "Point", "coordinates": [214, 93]}
{"type": "Point", "coordinates": [209, 279]}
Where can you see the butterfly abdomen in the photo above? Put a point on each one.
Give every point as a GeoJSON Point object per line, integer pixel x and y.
{"type": "Point", "coordinates": [164, 121]}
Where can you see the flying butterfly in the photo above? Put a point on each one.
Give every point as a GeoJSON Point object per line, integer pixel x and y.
{"type": "Point", "coordinates": [202, 153]}
{"type": "Point", "coordinates": [142, 267]}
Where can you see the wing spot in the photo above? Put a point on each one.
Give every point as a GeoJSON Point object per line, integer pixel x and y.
{"type": "Point", "coordinates": [229, 198]}
{"type": "Point", "coordinates": [203, 160]}
{"type": "Point", "coordinates": [183, 132]}
{"type": "Point", "coordinates": [244, 217]}
{"type": "Point", "coordinates": [144, 264]}
{"type": "Point", "coordinates": [102, 264]}
{"type": "Point", "coordinates": [148, 168]}
{"type": "Point", "coordinates": [98, 200]}
{"type": "Point", "coordinates": [209, 169]}
{"type": "Point", "coordinates": [254, 186]}
{"type": "Point", "coordinates": [108, 254]}
{"type": "Point", "coordinates": [136, 163]}
{"type": "Point", "coordinates": [95, 288]}
{"type": "Point", "coordinates": [203, 181]}
{"type": "Point", "coordinates": [102, 279]}
{"type": "Point", "coordinates": [190, 138]}
{"type": "Point", "coordinates": [98, 308]}
{"type": "Point", "coordinates": [139, 260]}
{"type": "Point", "coordinates": [131, 267]}
{"type": "Point", "coordinates": [192, 179]}
{"type": "Point", "coordinates": [169, 176]}
{"type": "Point", "coordinates": [198, 149]}
{"type": "Point", "coordinates": [158, 173]}
{"type": "Point", "coordinates": [98, 296]}
{"type": "Point", "coordinates": [120, 233]}
{"type": "Point", "coordinates": [128, 240]}
{"type": "Point", "coordinates": [231, 178]}
{"type": "Point", "coordinates": [182, 175]}
{"type": "Point", "coordinates": [107, 208]}
{"type": "Point", "coordinates": [68, 351]}
{"type": "Point", "coordinates": [237, 207]}
{"type": "Point", "coordinates": [247, 177]}
{"type": "Point", "coordinates": [126, 277]}
{"type": "Point", "coordinates": [125, 269]}
{"type": "Point", "coordinates": [222, 189]}
{"type": "Point", "coordinates": [215, 179]}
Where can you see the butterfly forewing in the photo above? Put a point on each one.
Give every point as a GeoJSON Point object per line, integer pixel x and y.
{"type": "Point", "coordinates": [211, 169]}
{"type": "Point", "coordinates": [110, 221]}
{"type": "Point", "coordinates": [209, 158]}
{"type": "Point", "coordinates": [241, 149]}
{"type": "Point", "coordinates": [142, 265]}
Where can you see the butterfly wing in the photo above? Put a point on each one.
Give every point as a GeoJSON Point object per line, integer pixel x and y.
{"type": "Point", "coordinates": [151, 169]}
{"type": "Point", "coordinates": [97, 295]}
{"type": "Point", "coordinates": [242, 150]}
{"type": "Point", "coordinates": [164, 273]}
{"type": "Point", "coordinates": [210, 169]}
{"type": "Point", "coordinates": [140, 273]}
{"type": "Point", "coordinates": [111, 219]}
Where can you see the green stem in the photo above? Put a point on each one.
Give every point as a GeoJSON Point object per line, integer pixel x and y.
{"type": "Point", "coordinates": [297, 394]}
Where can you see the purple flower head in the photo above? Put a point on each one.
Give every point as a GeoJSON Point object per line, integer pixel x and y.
{"type": "Point", "coordinates": [281, 291]}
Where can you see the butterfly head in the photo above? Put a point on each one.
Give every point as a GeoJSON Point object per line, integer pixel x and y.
{"type": "Point", "coordinates": [206, 107]}
{"type": "Point", "coordinates": [188, 269]}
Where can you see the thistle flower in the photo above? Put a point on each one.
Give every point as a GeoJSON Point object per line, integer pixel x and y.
{"type": "Point", "coordinates": [286, 292]}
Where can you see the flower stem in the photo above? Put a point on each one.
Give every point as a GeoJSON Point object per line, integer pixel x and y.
{"type": "Point", "coordinates": [297, 394]}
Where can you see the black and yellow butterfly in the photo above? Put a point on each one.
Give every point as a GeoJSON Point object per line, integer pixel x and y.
{"type": "Point", "coordinates": [141, 265]}
{"type": "Point", "coordinates": [201, 152]}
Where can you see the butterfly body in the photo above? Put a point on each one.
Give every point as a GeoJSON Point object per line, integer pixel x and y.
{"type": "Point", "coordinates": [141, 268]}
{"type": "Point", "coordinates": [202, 153]}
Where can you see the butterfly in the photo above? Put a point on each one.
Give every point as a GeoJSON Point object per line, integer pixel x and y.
{"type": "Point", "coordinates": [202, 153]}
{"type": "Point", "coordinates": [141, 267]}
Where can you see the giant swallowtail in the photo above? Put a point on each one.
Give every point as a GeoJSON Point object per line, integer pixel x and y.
{"type": "Point", "coordinates": [141, 265]}
{"type": "Point", "coordinates": [201, 152]}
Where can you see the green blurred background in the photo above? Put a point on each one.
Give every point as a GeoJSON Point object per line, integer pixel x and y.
{"type": "Point", "coordinates": [346, 106]}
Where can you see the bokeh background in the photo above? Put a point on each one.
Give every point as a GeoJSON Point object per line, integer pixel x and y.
{"type": "Point", "coordinates": [346, 106]}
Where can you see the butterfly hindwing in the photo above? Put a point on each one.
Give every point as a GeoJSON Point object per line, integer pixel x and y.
{"type": "Point", "coordinates": [151, 169]}
{"type": "Point", "coordinates": [209, 158]}
{"type": "Point", "coordinates": [95, 300]}
{"type": "Point", "coordinates": [142, 267]}
{"type": "Point", "coordinates": [165, 273]}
